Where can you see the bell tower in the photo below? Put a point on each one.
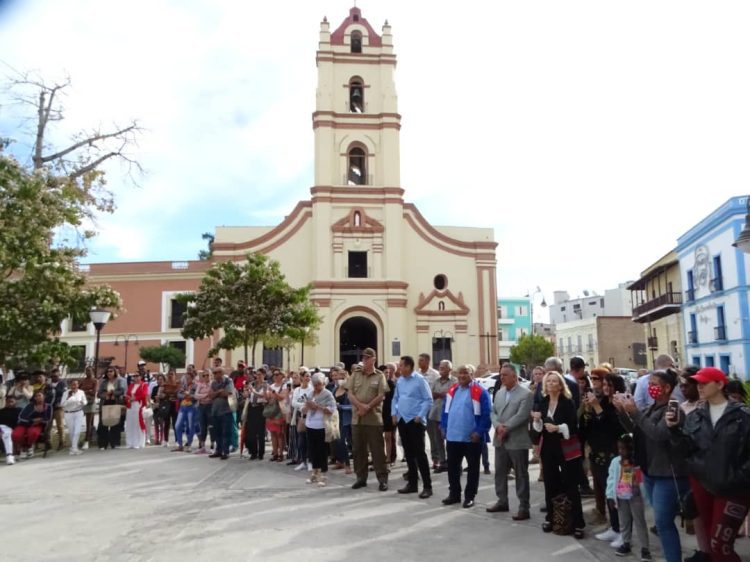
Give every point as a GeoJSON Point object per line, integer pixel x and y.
{"type": "Point", "coordinates": [356, 120]}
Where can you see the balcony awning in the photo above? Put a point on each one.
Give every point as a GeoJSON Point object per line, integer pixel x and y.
{"type": "Point", "coordinates": [640, 285]}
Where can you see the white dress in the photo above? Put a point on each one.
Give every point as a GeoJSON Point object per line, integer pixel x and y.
{"type": "Point", "coordinates": [135, 437]}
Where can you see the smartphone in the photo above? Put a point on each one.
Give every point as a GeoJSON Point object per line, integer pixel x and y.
{"type": "Point", "coordinates": [673, 407]}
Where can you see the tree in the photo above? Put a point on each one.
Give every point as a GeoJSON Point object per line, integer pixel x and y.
{"type": "Point", "coordinates": [40, 282]}
{"type": "Point", "coordinates": [531, 350]}
{"type": "Point", "coordinates": [165, 354]}
{"type": "Point", "coordinates": [208, 253]}
{"type": "Point", "coordinates": [248, 301]}
{"type": "Point", "coordinates": [78, 163]}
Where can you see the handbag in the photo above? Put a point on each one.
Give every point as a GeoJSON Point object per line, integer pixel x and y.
{"type": "Point", "coordinates": [301, 427]}
{"type": "Point", "coordinates": [562, 515]}
{"type": "Point", "coordinates": [271, 409]}
{"type": "Point", "coordinates": [571, 448]}
{"type": "Point", "coordinates": [332, 427]}
{"type": "Point", "coordinates": [111, 415]}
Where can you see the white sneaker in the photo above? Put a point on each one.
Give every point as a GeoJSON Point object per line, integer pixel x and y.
{"type": "Point", "coordinates": [309, 467]}
{"type": "Point", "coordinates": [29, 453]}
{"type": "Point", "coordinates": [10, 459]}
{"type": "Point", "coordinates": [78, 452]}
{"type": "Point", "coordinates": [618, 542]}
{"type": "Point", "coordinates": [72, 453]}
{"type": "Point", "coordinates": [85, 446]}
{"type": "Point", "coordinates": [608, 535]}
{"type": "Point", "coordinates": [300, 466]}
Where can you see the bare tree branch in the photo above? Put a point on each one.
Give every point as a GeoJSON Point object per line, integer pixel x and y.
{"type": "Point", "coordinates": [91, 141]}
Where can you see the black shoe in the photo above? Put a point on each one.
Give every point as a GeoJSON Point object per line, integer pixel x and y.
{"type": "Point", "coordinates": [543, 509]}
{"type": "Point", "coordinates": [623, 550]}
{"type": "Point", "coordinates": [405, 475]}
{"type": "Point", "coordinates": [578, 533]}
{"type": "Point", "coordinates": [253, 457]}
{"type": "Point", "coordinates": [438, 470]}
{"type": "Point", "coordinates": [487, 471]}
{"type": "Point", "coordinates": [547, 527]}
{"type": "Point", "coordinates": [521, 516]}
{"type": "Point", "coordinates": [214, 455]}
{"type": "Point", "coordinates": [654, 530]}
{"type": "Point", "coordinates": [697, 556]}
{"type": "Point", "coordinates": [450, 500]}
{"type": "Point", "coordinates": [408, 490]}
{"type": "Point", "coordinates": [468, 503]}
{"type": "Point", "coordinates": [426, 493]}
{"type": "Point", "coordinates": [497, 508]}
{"type": "Point", "coordinates": [358, 484]}
{"type": "Point", "coordinates": [224, 457]}
{"type": "Point", "coordinates": [383, 486]}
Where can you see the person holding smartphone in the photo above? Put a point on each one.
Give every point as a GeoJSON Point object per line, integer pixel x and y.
{"type": "Point", "coordinates": [715, 441]}
{"type": "Point", "coordinates": [665, 474]}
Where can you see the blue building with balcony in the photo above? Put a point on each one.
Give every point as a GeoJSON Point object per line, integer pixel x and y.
{"type": "Point", "coordinates": [715, 305]}
{"type": "Point", "coordinates": [513, 321]}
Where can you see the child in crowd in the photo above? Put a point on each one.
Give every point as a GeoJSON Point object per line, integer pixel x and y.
{"type": "Point", "coordinates": [624, 490]}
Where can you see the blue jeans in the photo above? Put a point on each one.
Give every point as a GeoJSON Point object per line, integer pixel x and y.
{"type": "Point", "coordinates": [223, 427]}
{"type": "Point", "coordinates": [234, 439]}
{"type": "Point", "coordinates": [185, 417]}
{"type": "Point", "coordinates": [661, 493]}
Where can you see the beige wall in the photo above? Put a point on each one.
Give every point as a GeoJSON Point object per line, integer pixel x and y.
{"type": "Point", "coordinates": [616, 336]}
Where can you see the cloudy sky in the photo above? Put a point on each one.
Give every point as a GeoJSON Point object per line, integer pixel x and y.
{"type": "Point", "coordinates": [589, 134]}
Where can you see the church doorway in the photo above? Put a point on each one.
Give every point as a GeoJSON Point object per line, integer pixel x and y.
{"type": "Point", "coordinates": [355, 335]}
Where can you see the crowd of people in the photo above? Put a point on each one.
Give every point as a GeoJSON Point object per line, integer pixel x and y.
{"type": "Point", "coordinates": [676, 442]}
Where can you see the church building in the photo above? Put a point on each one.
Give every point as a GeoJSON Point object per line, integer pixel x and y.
{"type": "Point", "coordinates": [382, 276]}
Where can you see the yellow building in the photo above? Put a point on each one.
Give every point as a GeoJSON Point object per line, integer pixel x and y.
{"type": "Point", "coordinates": [657, 304]}
{"type": "Point", "coordinates": [382, 275]}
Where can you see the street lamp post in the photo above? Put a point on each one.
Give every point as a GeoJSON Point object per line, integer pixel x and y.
{"type": "Point", "coordinates": [743, 240]}
{"type": "Point", "coordinates": [543, 304]}
{"type": "Point", "coordinates": [126, 339]}
{"type": "Point", "coordinates": [99, 318]}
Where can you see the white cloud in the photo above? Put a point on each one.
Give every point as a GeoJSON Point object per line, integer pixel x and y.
{"type": "Point", "coordinates": [589, 134]}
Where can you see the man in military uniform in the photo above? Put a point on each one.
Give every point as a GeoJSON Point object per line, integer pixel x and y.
{"type": "Point", "coordinates": [366, 388]}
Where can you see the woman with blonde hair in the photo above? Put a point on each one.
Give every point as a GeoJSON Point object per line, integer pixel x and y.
{"type": "Point", "coordinates": [560, 452]}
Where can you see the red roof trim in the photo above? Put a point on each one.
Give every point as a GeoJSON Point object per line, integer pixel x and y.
{"type": "Point", "coordinates": [337, 37]}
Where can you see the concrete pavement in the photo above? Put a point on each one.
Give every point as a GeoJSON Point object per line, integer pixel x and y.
{"type": "Point", "coordinates": [154, 505]}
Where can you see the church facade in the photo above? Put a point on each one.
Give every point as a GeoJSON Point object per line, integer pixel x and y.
{"type": "Point", "coordinates": [382, 276]}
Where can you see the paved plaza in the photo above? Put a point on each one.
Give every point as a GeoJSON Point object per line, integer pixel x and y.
{"type": "Point", "coordinates": [152, 504]}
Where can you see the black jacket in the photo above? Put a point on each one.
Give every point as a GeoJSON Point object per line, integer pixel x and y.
{"type": "Point", "coordinates": [601, 432]}
{"type": "Point", "coordinates": [564, 413]}
{"type": "Point", "coordinates": [718, 457]}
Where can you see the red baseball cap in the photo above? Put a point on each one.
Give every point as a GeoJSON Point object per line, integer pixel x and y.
{"type": "Point", "coordinates": [710, 374]}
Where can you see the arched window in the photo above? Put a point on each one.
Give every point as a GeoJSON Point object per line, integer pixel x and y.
{"type": "Point", "coordinates": [356, 41]}
{"type": "Point", "coordinates": [357, 218]}
{"type": "Point", "coordinates": [441, 305]}
{"type": "Point", "coordinates": [356, 95]}
{"type": "Point", "coordinates": [357, 169]}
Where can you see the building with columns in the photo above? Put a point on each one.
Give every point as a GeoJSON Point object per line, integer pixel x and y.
{"type": "Point", "coordinates": [382, 276]}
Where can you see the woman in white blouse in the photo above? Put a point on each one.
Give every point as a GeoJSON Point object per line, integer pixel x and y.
{"type": "Point", "coordinates": [73, 402]}
{"type": "Point", "coordinates": [300, 395]}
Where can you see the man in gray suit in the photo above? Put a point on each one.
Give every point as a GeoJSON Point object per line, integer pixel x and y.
{"type": "Point", "coordinates": [510, 415]}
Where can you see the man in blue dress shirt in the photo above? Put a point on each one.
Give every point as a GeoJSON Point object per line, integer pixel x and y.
{"type": "Point", "coordinates": [466, 423]}
{"type": "Point", "coordinates": [412, 400]}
